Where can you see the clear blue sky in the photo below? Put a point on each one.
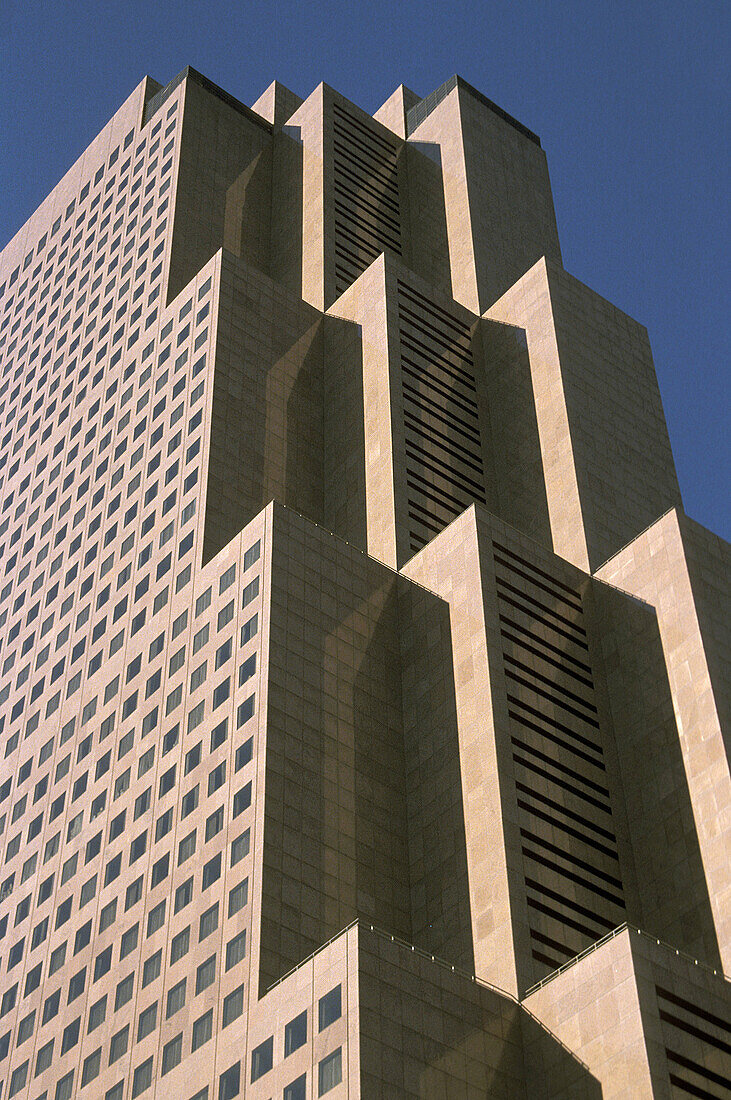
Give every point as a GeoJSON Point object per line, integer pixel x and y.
{"type": "Point", "coordinates": [630, 99]}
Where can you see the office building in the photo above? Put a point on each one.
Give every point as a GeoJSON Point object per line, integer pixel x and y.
{"type": "Point", "coordinates": [362, 680]}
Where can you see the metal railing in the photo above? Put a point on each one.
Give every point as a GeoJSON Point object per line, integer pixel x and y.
{"type": "Point", "coordinates": [610, 936]}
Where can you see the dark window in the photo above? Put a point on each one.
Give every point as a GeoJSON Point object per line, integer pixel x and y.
{"type": "Point", "coordinates": [202, 1030]}
{"type": "Point", "coordinates": [262, 1058]}
{"type": "Point", "coordinates": [297, 1090]}
{"type": "Point", "coordinates": [330, 1008]}
{"type": "Point", "coordinates": [230, 1083]}
{"type": "Point", "coordinates": [295, 1033]}
{"type": "Point", "coordinates": [330, 1072]}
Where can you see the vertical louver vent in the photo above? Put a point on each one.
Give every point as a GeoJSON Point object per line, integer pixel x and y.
{"type": "Point", "coordinates": [366, 196]}
{"type": "Point", "coordinates": [571, 864]}
{"type": "Point", "coordinates": [444, 470]}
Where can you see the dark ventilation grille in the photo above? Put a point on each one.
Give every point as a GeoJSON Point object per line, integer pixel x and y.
{"type": "Point", "coordinates": [570, 860]}
{"type": "Point", "coordinates": [444, 471]}
{"type": "Point", "coordinates": [424, 108]}
{"type": "Point", "coordinates": [365, 185]}
{"type": "Point", "coordinates": [688, 1029]}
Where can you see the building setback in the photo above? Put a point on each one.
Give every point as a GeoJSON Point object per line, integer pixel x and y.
{"type": "Point", "coordinates": [362, 684]}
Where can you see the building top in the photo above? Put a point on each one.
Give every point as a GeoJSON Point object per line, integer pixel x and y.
{"type": "Point", "coordinates": [424, 108]}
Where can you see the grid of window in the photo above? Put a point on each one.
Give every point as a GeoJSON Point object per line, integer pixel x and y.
{"type": "Point", "coordinates": [120, 705]}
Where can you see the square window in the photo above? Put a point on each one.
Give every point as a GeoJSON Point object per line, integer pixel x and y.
{"type": "Point", "coordinates": [183, 894]}
{"type": "Point", "coordinates": [118, 1045]}
{"type": "Point", "coordinates": [208, 922]}
{"type": "Point", "coordinates": [330, 1008]}
{"type": "Point", "coordinates": [262, 1058]}
{"type": "Point", "coordinates": [229, 1083]}
{"type": "Point", "coordinates": [233, 1006]}
{"type": "Point", "coordinates": [202, 1030]}
{"type": "Point", "coordinates": [295, 1033]}
{"type": "Point", "coordinates": [238, 897]}
{"type": "Point", "coordinates": [205, 974]}
{"type": "Point", "coordinates": [236, 950]}
{"type": "Point", "coordinates": [179, 945]}
{"type": "Point", "coordinates": [297, 1090]}
{"type": "Point", "coordinates": [176, 999]}
{"type": "Point", "coordinates": [97, 1013]}
{"type": "Point", "coordinates": [125, 989]}
{"type": "Point", "coordinates": [151, 969]}
{"type": "Point", "coordinates": [142, 1078]}
{"type": "Point", "coordinates": [172, 1054]}
{"type": "Point", "coordinates": [147, 1022]}
{"type": "Point", "coordinates": [92, 1066]}
{"type": "Point", "coordinates": [330, 1072]}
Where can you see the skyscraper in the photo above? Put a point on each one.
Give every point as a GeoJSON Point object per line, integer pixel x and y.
{"type": "Point", "coordinates": [362, 678]}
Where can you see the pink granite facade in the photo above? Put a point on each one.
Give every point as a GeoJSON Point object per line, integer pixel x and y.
{"type": "Point", "coordinates": [363, 684]}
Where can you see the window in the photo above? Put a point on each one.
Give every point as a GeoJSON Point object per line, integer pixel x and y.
{"type": "Point", "coordinates": [193, 758]}
{"type": "Point", "coordinates": [92, 1065]}
{"type": "Point", "coordinates": [297, 1090]}
{"type": "Point", "coordinates": [172, 1053]}
{"type": "Point", "coordinates": [50, 1008]}
{"type": "Point", "coordinates": [262, 1058]}
{"type": "Point", "coordinates": [189, 802]}
{"type": "Point", "coordinates": [125, 989]}
{"type": "Point", "coordinates": [156, 918]}
{"type": "Point", "coordinates": [245, 711]}
{"type": "Point", "coordinates": [97, 1013]}
{"type": "Point", "coordinates": [134, 893]}
{"type": "Point", "coordinates": [233, 1005]}
{"type": "Point", "coordinates": [240, 847]}
{"type": "Point", "coordinates": [107, 915]}
{"type": "Point", "coordinates": [45, 1057]}
{"type": "Point", "coordinates": [330, 1072]}
{"type": "Point", "coordinates": [330, 1008]}
{"type": "Point", "coordinates": [65, 1086]}
{"type": "Point", "coordinates": [160, 870]}
{"type": "Point", "coordinates": [138, 847]}
{"type": "Point", "coordinates": [205, 975]}
{"type": "Point", "coordinates": [118, 1045]}
{"type": "Point", "coordinates": [229, 1083]}
{"type": "Point", "coordinates": [179, 945]}
{"type": "Point", "coordinates": [247, 669]}
{"type": "Point", "coordinates": [251, 591]}
{"type": "Point", "coordinates": [252, 554]}
{"type": "Point", "coordinates": [77, 985]}
{"type": "Point", "coordinates": [225, 615]}
{"type": "Point", "coordinates": [176, 999]}
{"type": "Point", "coordinates": [103, 963]}
{"type": "Point", "coordinates": [17, 1081]}
{"type": "Point", "coordinates": [147, 1022]}
{"type": "Point", "coordinates": [151, 969]}
{"type": "Point", "coordinates": [129, 941]}
{"type": "Point", "coordinates": [249, 629]}
{"type": "Point", "coordinates": [186, 847]}
{"type": "Point", "coordinates": [223, 654]}
{"type": "Point", "coordinates": [295, 1033]}
{"type": "Point", "coordinates": [142, 1078]}
{"type": "Point", "coordinates": [200, 638]}
{"type": "Point", "coordinates": [236, 950]}
{"type": "Point", "coordinates": [214, 823]}
{"type": "Point", "coordinates": [25, 1028]}
{"type": "Point", "coordinates": [208, 922]}
{"type": "Point", "coordinates": [212, 871]}
{"type": "Point", "coordinates": [242, 800]}
{"type": "Point", "coordinates": [202, 1030]}
{"type": "Point", "coordinates": [164, 824]}
{"type": "Point", "coordinates": [238, 898]}
{"type": "Point", "coordinates": [183, 895]}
